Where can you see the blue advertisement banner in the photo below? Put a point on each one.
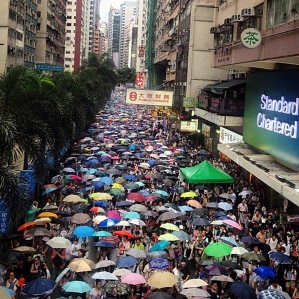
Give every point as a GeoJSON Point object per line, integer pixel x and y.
{"type": "Point", "coordinates": [28, 181]}
{"type": "Point", "coordinates": [271, 118]}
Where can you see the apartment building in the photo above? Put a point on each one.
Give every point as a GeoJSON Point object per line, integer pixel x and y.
{"type": "Point", "coordinates": [114, 34]}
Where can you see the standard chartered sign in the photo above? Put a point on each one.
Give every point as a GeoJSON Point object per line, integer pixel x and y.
{"type": "Point", "coordinates": [274, 124]}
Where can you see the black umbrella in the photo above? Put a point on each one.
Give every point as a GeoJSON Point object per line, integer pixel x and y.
{"type": "Point", "coordinates": [242, 290]}
{"type": "Point", "coordinates": [159, 295]}
{"type": "Point", "coordinates": [10, 257]}
{"type": "Point", "coordinates": [230, 264]}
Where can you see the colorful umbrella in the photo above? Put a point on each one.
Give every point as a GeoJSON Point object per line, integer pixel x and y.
{"type": "Point", "coordinates": [47, 215]}
{"type": "Point", "coordinates": [106, 223]}
{"type": "Point", "coordinates": [122, 233]}
{"type": "Point", "coordinates": [194, 203]}
{"type": "Point", "coordinates": [97, 210]}
{"type": "Point", "coordinates": [135, 196]}
{"type": "Point", "coordinates": [170, 226]}
{"type": "Point", "coordinates": [116, 288]}
{"type": "Point", "coordinates": [137, 253]}
{"type": "Point", "coordinates": [160, 246]}
{"type": "Point", "coordinates": [279, 257]}
{"type": "Point", "coordinates": [168, 237]}
{"type": "Point", "coordinates": [102, 233]}
{"type": "Point", "coordinates": [104, 275]}
{"type": "Point", "coordinates": [188, 194]}
{"type": "Point", "coordinates": [159, 263]}
{"type": "Point", "coordinates": [59, 242]}
{"type": "Point", "coordinates": [26, 225]}
{"type": "Point", "coordinates": [131, 215]}
{"type": "Point", "coordinates": [73, 177]}
{"type": "Point", "coordinates": [133, 279]}
{"type": "Point", "coordinates": [194, 283]}
{"type": "Point", "coordinates": [217, 249]}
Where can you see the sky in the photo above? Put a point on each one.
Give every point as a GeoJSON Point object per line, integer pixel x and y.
{"type": "Point", "coordinates": [105, 6]}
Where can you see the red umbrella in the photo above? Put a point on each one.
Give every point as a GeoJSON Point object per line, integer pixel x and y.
{"type": "Point", "coordinates": [122, 233]}
{"type": "Point", "coordinates": [97, 210]}
{"type": "Point", "coordinates": [75, 177]}
{"type": "Point", "coordinates": [151, 198]}
{"type": "Point", "coordinates": [26, 225]}
{"type": "Point", "coordinates": [136, 197]}
{"type": "Point", "coordinates": [115, 158]}
{"type": "Point", "coordinates": [112, 239]}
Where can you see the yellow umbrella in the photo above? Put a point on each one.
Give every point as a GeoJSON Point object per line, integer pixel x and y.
{"type": "Point", "coordinates": [169, 226]}
{"type": "Point", "coordinates": [42, 221]}
{"type": "Point", "coordinates": [162, 279]}
{"type": "Point", "coordinates": [116, 186]}
{"type": "Point", "coordinates": [72, 198]}
{"type": "Point", "coordinates": [47, 215]}
{"type": "Point", "coordinates": [81, 265]}
{"type": "Point", "coordinates": [168, 237]}
{"type": "Point", "coordinates": [101, 196]}
{"type": "Point", "coordinates": [188, 194]}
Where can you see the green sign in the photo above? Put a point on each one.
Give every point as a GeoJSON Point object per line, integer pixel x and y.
{"type": "Point", "coordinates": [190, 102]}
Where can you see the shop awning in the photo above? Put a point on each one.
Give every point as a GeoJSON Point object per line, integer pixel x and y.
{"type": "Point", "coordinates": [220, 86]}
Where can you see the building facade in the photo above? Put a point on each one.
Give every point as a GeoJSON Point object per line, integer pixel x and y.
{"type": "Point", "coordinates": [114, 34]}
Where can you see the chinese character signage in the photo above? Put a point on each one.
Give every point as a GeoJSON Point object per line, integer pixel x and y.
{"type": "Point", "coordinates": [139, 82]}
{"type": "Point", "coordinates": [4, 218]}
{"type": "Point", "coordinates": [188, 126]}
{"type": "Point", "coordinates": [149, 97]}
{"type": "Point", "coordinates": [141, 50]}
{"type": "Point", "coordinates": [49, 67]}
{"type": "Point", "coordinates": [190, 102]}
{"type": "Point", "coordinates": [227, 136]}
{"type": "Point", "coordinates": [251, 38]}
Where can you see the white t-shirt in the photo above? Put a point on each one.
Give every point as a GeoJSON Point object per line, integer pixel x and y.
{"type": "Point", "coordinates": [95, 294]}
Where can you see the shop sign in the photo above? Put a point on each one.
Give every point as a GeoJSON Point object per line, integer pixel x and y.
{"type": "Point", "coordinates": [206, 130]}
{"type": "Point", "coordinates": [190, 102]}
{"type": "Point", "coordinates": [141, 51]}
{"type": "Point", "coordinates": [271, 118]}
{"type": "Point", "coordinates": [139, 82]}
{"type": "Point", "coordinates": [49, 67]}
{"type": "Point", "coordinates": [251, 38]}
{"type": "Point", "coordinates": [188, 126]}
{"type": "Point", "coordinates": [227, 136]}
{"type": "Point", "coordinates": [149, 97]}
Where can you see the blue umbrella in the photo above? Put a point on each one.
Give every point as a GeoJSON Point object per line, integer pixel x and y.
{"type": "Point", "coordinates": [156, 254]}
{"type": "Point", "coordinates": [279, 257]}
{"type": "Point", "coordinates": [124, 203]}
{"type": "Point", "coordinates": [83, 231]}
{"type": "Point", "coordinates": [265, 271]}
{"type": "Point", "coordinates": [10, 292]}
{"type": "Point", "coordinates": [131, 215]}
{"type": "Point", "coordinates": [105, 159]}
{"type": "Point", "coordinates": [76, 287]}
{"type": "Point", "coordinates": [200, 221]}
{"type": "Point", "coordinates": [101, 204]}
{"type": "Point", "coordinates": [130, 177]}
{"type": "Point", "coordinates": [161, 192]}
{"type": "Point", "coordinates": [91, 171]}
{"type": "Point", "coordinates": [102, 233]}
{"type": "Point", "coordinates": [159, 264]}
{"type": "Point", "coordinates": [182, 235]}
{"type": "Point", "coordinates": [151, 162]}
{"type": "Point", "coordinates": [144, 192]}
{"type": "Point", "coordinates": [160, 246]}
{"type": "Point", "coordinates": [103, 244]}
{"type": "Point", "coordinates": [93, 160]}
{"type": "Point", "coordinates": [97, 184]}
{"type": "Point", "coordinates": [185, 208]}
{"type": "Point", "coordinates": [115, 220]}
{"type": "Point", "coordinates": [250, 240]}
{"type": "Point", "coordinates": [219, 214]}
{"type": "Point", "coordinates": [38, 286]}
{"type": "Point", "coordinates": [229, 241]}
{"type": "Point", "coordinates": [106, 223]}
{"type": "Point", "coordinates": [106, 180]}
{"type": "Point", "coordinates": [49, 190]}
{"type": "Point", "coordinates": [126, 262]}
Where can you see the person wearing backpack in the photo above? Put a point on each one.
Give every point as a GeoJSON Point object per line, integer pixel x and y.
{"type": "Point", "coordinates": [12, 282]}
{"type": "Point", "coordinates": [58, 262]}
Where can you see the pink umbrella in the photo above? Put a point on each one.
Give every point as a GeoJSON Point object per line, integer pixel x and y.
{"type": "Point", "coordinates": [113, 214]}
{"type": "Point", "coordinates": [133, 278]}
{"type": "Point", "coordinates": [232, 223]}
{"type": "Point", "coordinates": [75, 177]}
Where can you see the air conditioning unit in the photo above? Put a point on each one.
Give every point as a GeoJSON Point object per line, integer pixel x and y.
{"type": "Point", "coordinates": [227, 21]}
{"type": "Point", "coordinates": [247, 12]}
{"type": "Point", "coordinates": [236, 18]}
{"type": "Point", "coordinates": [168, 69]}
{"type": "Point", "coordinates": [240, 75]}
{"type": "Point", "coordinates": [229, 77]}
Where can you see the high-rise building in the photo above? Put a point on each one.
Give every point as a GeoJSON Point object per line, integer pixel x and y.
{"type": "Point", "coordinates": [128, 10]}
{"type": "Point", "coordinates": [114, 34]}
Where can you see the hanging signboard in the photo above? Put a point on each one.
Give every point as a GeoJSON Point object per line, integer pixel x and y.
{"type": "Point", "coordinates": [188, 126]}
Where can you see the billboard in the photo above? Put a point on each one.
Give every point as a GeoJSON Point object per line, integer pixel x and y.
{"type": "Point", "coordinates": [149, 97]}
{"type": "Point", "coordinates": [188, 126]}
{"type": "Point", "coordinates": [190, 102]}
{"type": "Point", "coordinates": [227, 136]}
{"type": "Point", "coordinates": [272, 114]}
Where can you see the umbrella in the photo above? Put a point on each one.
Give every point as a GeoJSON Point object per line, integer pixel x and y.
{"type": "Point", "coordinates": [137, 222]}
{"type": "Point", "coordinates": [217, 249]}
{"type": "Point", "coordinates": [121, 272]}
{"type": "Point", "coordinates": [131, 186]}
{"type": "Point", "coordinates": [150, 214]}
{"type": "Point", "coordinates": [24, 249]}
{"type": "Point", "coordinates": [80, 218]}
{"type": "Point", "coordinates": [116, 288]}
{"type": "Point", "coordinates": [189, 194]}
{"type": "Point", "coordinates": [228, 240]}
{"type": "Point", "coordinates": [138, 208]}
{"type": "Point", "coordinates": [76, 286]}
{"type": "Point", "coordinates": [83, 231]}
{"type": "Point", "coordinates": [271, 294]}
{"type": "Point", "coordinates": [253, 256]}
{"type": "Point", "coordinates": [38, 231]}
{"type": "Point", "coordinates": [182, 235]}
{"type": "Point", "coordinates": [100, 196]}
{"type": "Point", "coordinates": [185, 209]}
{"type": "Point", "coordinates": [250, 240]}
{"type": "Point", "coordinates": [115, 191]}
{"type": "Point", "coordinates": [101, 233]}
{"type": "Point", "coordinates": [123, 223]}
{"type": "Point", "coordinates": [194, 283]}
{"type": "Point", "coordinates": [73, 177]}
{"type": "Point", "coordinates": [103, 244]}
{"type": "Point", "coordinates": [59, 242]}
{"type": "Point", "coordinates": [7, 293]}
{"type": "Point", "coordinates": [232, 223]}
{"type": "Point", "coordinates": [168, 237]}
{"type": "Point", "coordinates": [122, 233]}
{"type": "Point", "coordinates": [167, 216]}
{"type": "Point", "coordinates": [169, 226]}
{"type": "Point", "coordinates": [106, 223]}
{"type": "Point", "coordinates": [133, 279]}
{"type": "Point", "coordinates": [47, 215]}
{"type": "Point", "coordinates": [104, 275]}
{"type": "Point", "coordinates": [199, 221]}
{"type": "Point", "coordinates": [10, 257]}
{"type": "Point", "coordinates": [279, 257]}
{"type": "Point", "coordinates": [126, 262]}
{"type": "Point", "coordinates": [245, 192]}
{"type": "Point", "coordinates": [238, 250]}
{"type": "Point", "coordinates": [159, 295]}
{"type": "Point", "coordinates": [81, 265]}
{"type": "Point", "coordinates": [159, 263]}
{"type": "Point", "coordinates": [42, 221]}
{"type": "Point", "coordinates": [230, 264]}
{"type": "Point", "coordinates": [242, 290]}
{"type": "Point", "coordinates": [97, 210]}
{"type": "Point", "coordinates": [162, 279]}
{"type": "Point", "coordinates": [62, 274]}
{"type": "Point", "coordinates": [72, 198]}
{"type": "Point", "coordinates": [98, 219]}
{"type": "Point", "coordinates": [137, 253]}
{"type": "Point", "coordinates": [131, 215]}
{"type": "Point", "coordinates": [265, 271]}
{"type": "Point", "coordinates": [212, 205]}
{"type": "Point", "coordinates": [225, 206]}
{"type": "Point", "coordinates": [160, 246]}
{"type": "Point", "coordinates": [222, 278]}
{"type": "Point", "coordinates": [195, 292]}
{"type": "Point", "coordinates": [194, 203]}
{"type": "Point", "coordinates": [156, 254]}
{"type": "Point", "coordinates": [68, 169]}
{"type": "Point", "coordinates": [38, 286]}
{"type": "Point", "coordinates": [117, 186]}
{"type": "Point", "coordinates": [161, 192]}
{"type": "Point", "coordinates": [26, 225]}
{"type": "Point", "coordinates": [215, 270]}
{"type": "Point", "coordinates": [104, 264]}
{"type": "Point", "coordinates": [106, 180]}
{"type": "Point", "coordinates": [123, 204]}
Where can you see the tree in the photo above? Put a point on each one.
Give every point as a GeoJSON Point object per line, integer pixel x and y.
{"type": "Point", "coordinates": [126, 75]}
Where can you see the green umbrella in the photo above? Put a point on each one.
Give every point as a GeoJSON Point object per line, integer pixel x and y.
{"type": "Point", "coordinates": [217, 249]}
{"type": "Point", "coordinates": [116, 288]}
{"type": "Point", "coordinates": [115, 191]}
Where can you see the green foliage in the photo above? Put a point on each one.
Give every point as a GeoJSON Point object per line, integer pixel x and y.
{"type": "Point", "coordinates": [38, 113]}
{"type": "Point", "coordinates": [126, 75]}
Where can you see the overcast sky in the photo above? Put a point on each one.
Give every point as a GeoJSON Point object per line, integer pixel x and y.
{"type": "Point", "coordinates": [105, 6]}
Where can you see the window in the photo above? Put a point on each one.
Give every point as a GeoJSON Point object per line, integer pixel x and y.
{"type": "Point", "coordinates": [225, 37]}
{"type": "Point", "coordinates": [19, 36]}
{"type": "Point", "coordinates": [68, 24]}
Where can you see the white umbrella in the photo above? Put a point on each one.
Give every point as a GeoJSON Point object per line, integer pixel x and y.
{"type": "Point", "coordinates": [194, 283]}
{"type": "Point", "coordinates": [62, 274]}
{"type": "Point", "coordinates": [123, 223]}
{"type": "Point", "coordinates": [42, 221]}
{"type": "Point", "coordinates": [245, 192]}
{"type": "Point", "coordinates": [104, 264]}
{"type": "Point", "coordinates": [98, 219]}
{"type": "Point", "coordinates": [104, 275]}
{"type": "Point", "coordinates": [59, 242]}
{"type": "Point", "coordinates": [138, 253]}
{"type": "Point", "coordinates": [137, 222]}
{"type": "Point", "coordinates": [222, 278]}
{"type": "Point", "coordinates": [121, 272]}
{"type": "Point", "coordinates": [195, 292]}
{"type": "Point", "coordinates": [238, 251]}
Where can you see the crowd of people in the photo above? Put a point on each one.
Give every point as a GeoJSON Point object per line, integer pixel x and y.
{"type": "Point", "coordinates": [123, 208]}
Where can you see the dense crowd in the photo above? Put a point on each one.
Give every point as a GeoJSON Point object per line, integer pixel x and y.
{"type": "Point", "coordinates": [120, 207]}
